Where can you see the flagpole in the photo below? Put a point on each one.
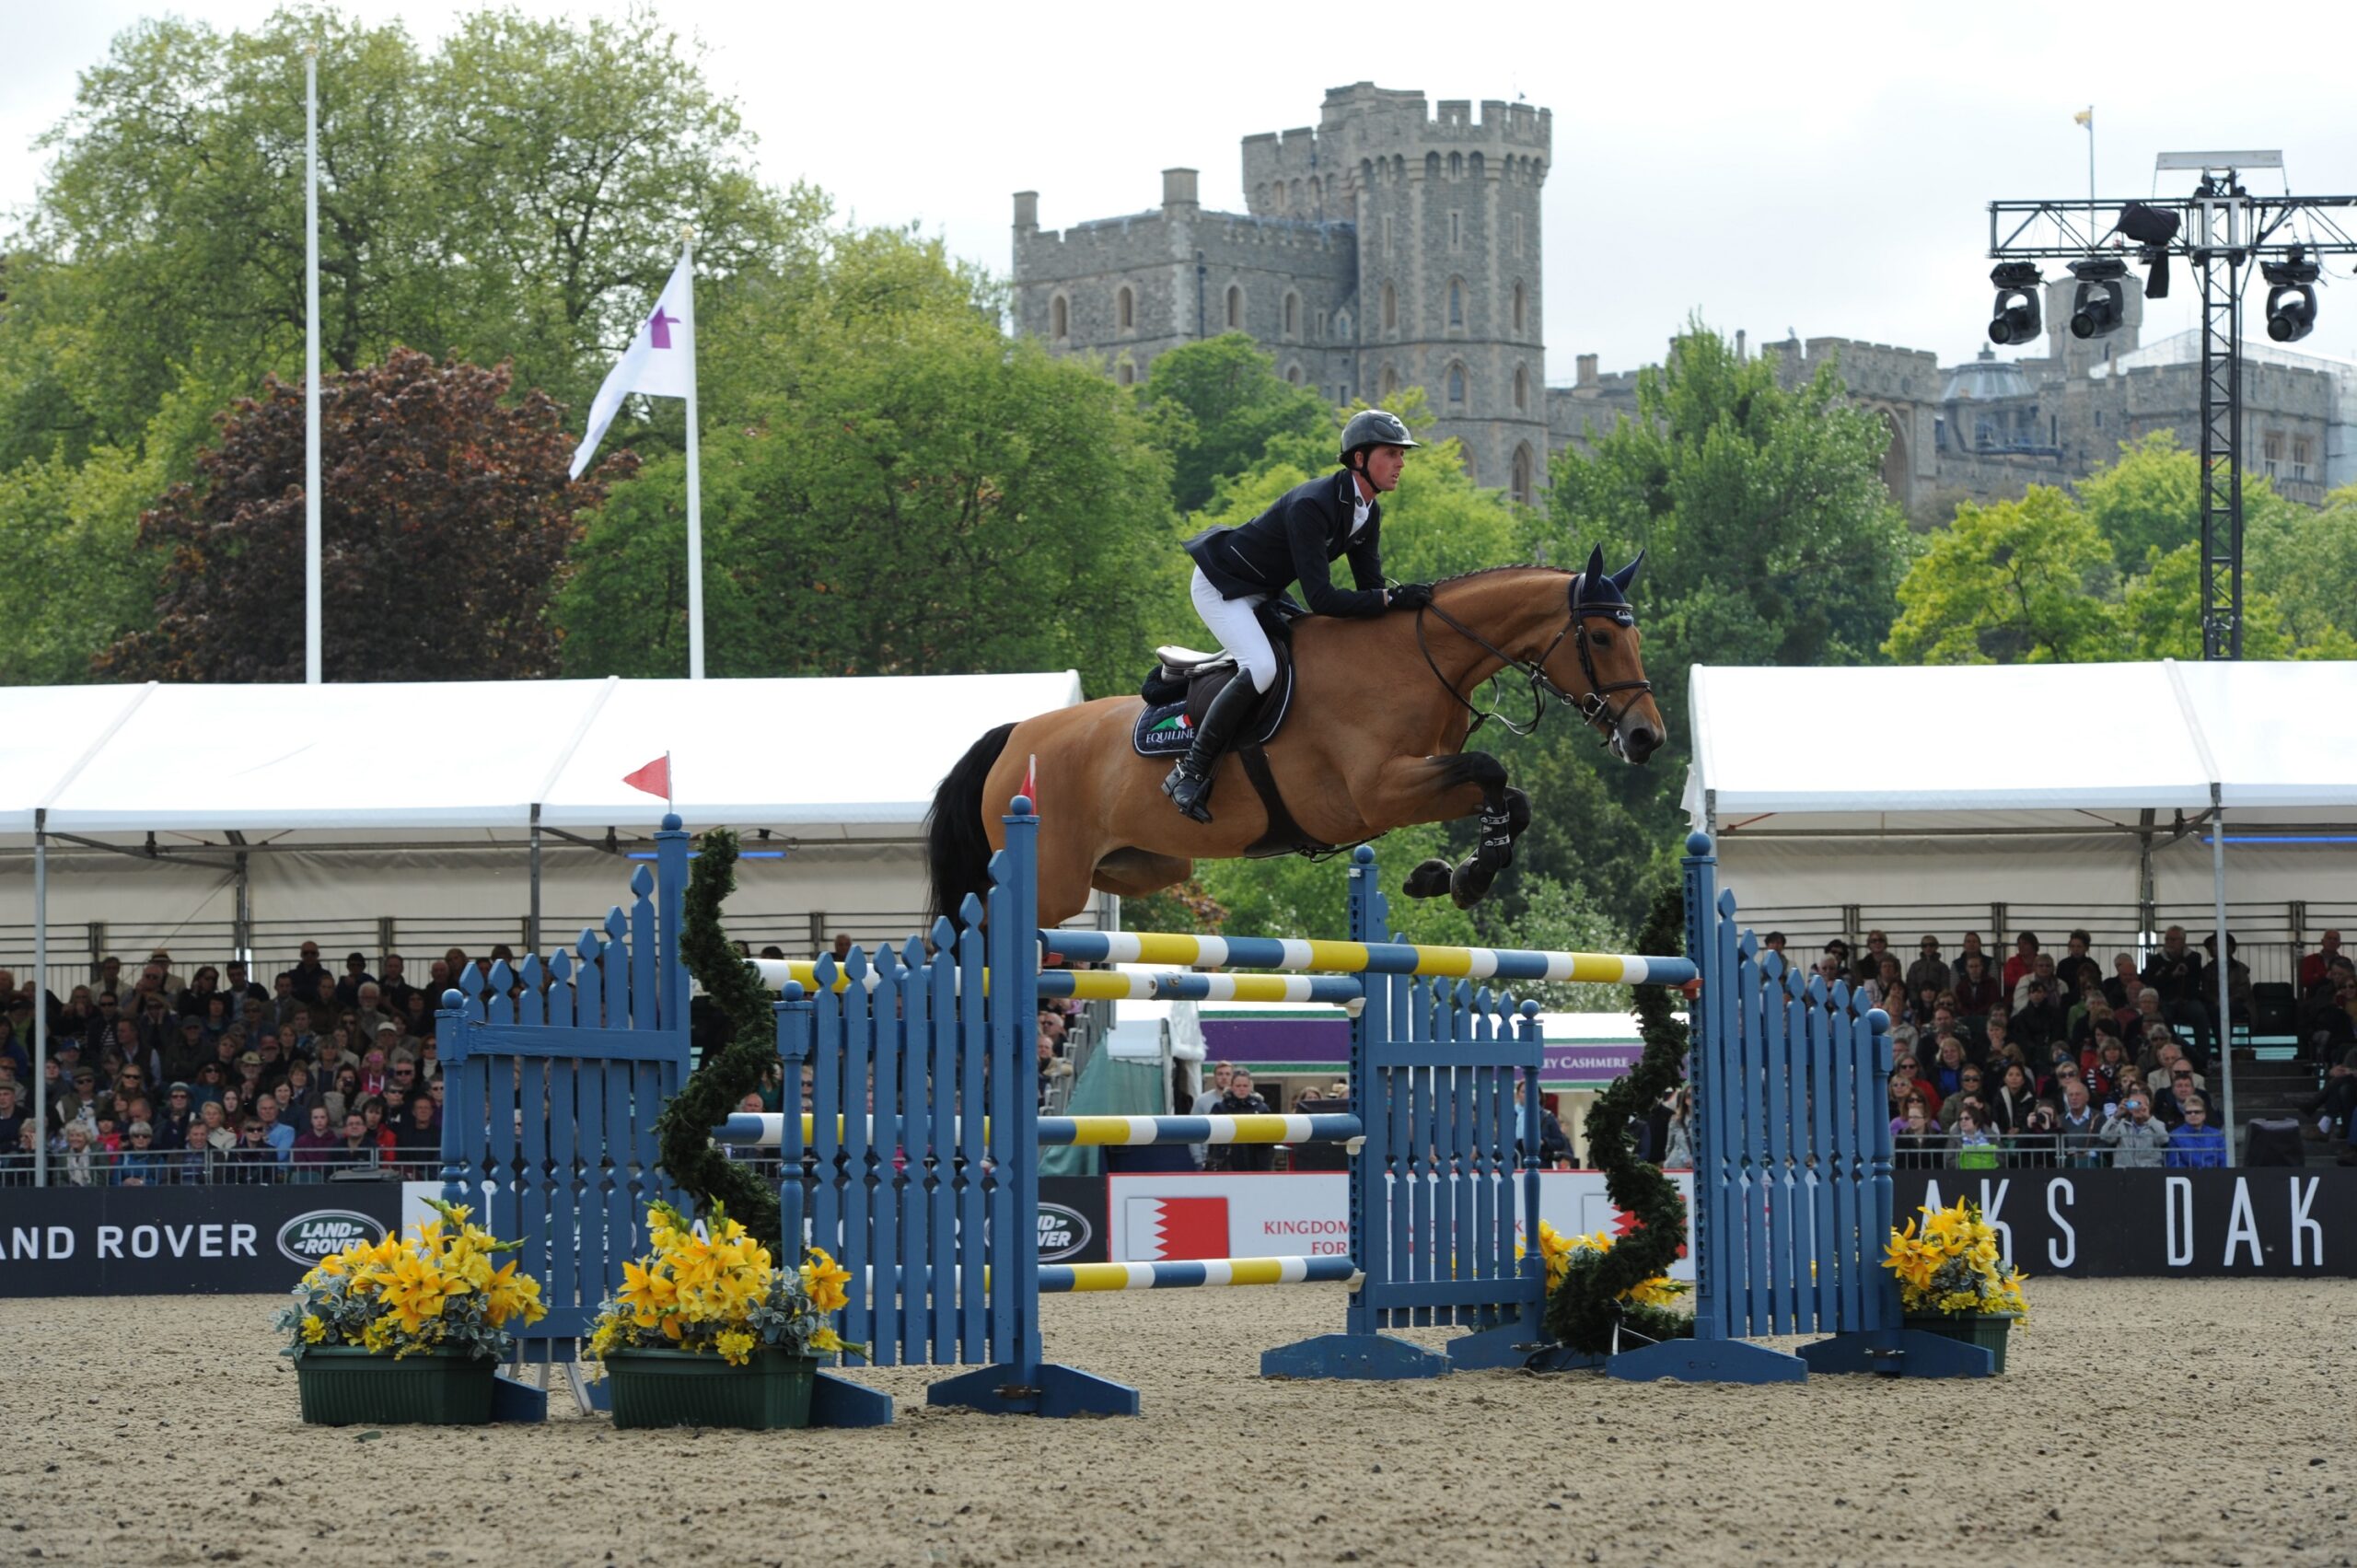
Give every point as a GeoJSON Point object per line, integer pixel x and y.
{"type": "Point", "coordinates": [2090, 123]}
{"type": "Point", "coordinates": [311, 364]}
{"type": "Point", "coordinates": [695, 488]}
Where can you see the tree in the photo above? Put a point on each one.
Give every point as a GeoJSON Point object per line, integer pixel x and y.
{"type": "Point", "coordinates": [1769, 539]}
{"type": "Point", "coordinates": [1221, 402]}
{"type": "Point", "coordinates": [515, 196]}
{"type": "Point", "coordinates": [2148, 502]}
{"type": "Point", "coordinates": [2160, 613]}
{"type": "Point", "coordinates": [445, 522]}
{"type": "Point", "coordinates": [506, 196]}
{"type": "Point", "coordinates": [916, 496]}
{"type": "Point", "coordinates": [2015, 581]}
{"type": "Point", "coordinates": [2307, 563]}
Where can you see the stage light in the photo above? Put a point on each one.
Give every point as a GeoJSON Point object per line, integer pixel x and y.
{"type": "Point", "coordinates": [2152, 228]}
{"type": "Point", "coordinates": [2099, 304]}
{"type": "Point", "coordinates": [2291, 296]}
{"type": "Point", "coordinates": [2015, 318]}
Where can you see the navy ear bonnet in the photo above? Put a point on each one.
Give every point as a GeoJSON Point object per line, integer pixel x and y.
{"type": "Point", "coordinates": [1598, 592]}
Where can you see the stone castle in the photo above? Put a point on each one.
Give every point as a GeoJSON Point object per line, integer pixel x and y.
{"type": "Point", "coordinates": [1396, 244]}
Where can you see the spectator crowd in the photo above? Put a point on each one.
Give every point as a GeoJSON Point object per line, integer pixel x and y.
{"type": "Point", "coordinates": [156, 1078]}
{"type": "Point", "coordinates": [2050, 1057]}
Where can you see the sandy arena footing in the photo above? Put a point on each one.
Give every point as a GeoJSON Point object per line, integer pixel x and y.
{"type": "Point", "coordinates": [2140, 1422]}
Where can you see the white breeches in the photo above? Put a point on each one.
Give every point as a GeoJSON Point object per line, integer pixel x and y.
{"type": "Point", "coordinates": [1238, 630]}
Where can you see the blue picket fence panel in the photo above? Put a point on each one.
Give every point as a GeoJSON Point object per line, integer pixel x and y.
{"type": "Point", "coordinates": [555, 1070]}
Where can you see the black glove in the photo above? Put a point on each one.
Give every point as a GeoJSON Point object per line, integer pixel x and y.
{"type": "Point", "coordinates": [1412, 596]}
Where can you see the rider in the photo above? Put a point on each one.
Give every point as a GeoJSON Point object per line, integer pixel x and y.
{"type": "Point", "coordinates": [1295, 540]}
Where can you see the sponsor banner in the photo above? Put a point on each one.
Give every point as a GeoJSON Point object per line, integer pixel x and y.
{"type": "Point", "coordinates": [175, 1240]}
{"type": "Point", "coordinates": [1220, 1214]}
{"type": "Point", "coordinates": [1072, 1216]}
{"type": "Point", "coordinates": [1263, 1044]}
{"type": "Point", "coordinates": [1316, 1044]}
{"type": "Point", "coordinates": [1589, 1062]}
{"type": "Point", "coordinates": [2279, 1221]}
{"type": "Point", "coordinates": [1072, 1220]}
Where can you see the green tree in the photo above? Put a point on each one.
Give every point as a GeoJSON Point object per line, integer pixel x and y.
{"type": "Point", "coordinates": [914, 494]}
{"type": "Point", "coordinates": [2149, 500]}
{"type": "Point", "coordinates": [513, 195]}
{"type": "Point", "coordinates": [2026, 581]}
{"type": "Point", "coordinates": [1219, 404]}
{"type": "Point", "coordinates": [2306, 562]}
{"type": "Point", "coordinates": [444, 527]}
{"type": "Point", "coordinates": [1769, 539]}
{"type": "Point", "coordinates": [2160, 613]}
{"type": "Point", "coordinates": [519, 195]}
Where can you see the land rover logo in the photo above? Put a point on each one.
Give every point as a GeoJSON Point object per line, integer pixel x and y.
{"type": "Point", "coordinates": [1062, 1232]}
{"type": "Point", "coordinates": [323, 1233]}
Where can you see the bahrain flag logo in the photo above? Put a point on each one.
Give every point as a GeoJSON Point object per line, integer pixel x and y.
{"type": "Point", "coordinates": [1177, 1228]}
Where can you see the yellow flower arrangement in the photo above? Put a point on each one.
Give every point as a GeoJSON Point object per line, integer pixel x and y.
{"type": "Point", "coordinates": [1560, 1250]}
{"type": "Point", "coordinates": [720, 1291]}
{"type": "Point", "coordinates": [1951, 1265]}
{"type": "Point", "coordinates": [435, 1288]}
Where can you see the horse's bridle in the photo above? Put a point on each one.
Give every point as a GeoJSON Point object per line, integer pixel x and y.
{"type": "Point", "coordinates": [1595, 708]}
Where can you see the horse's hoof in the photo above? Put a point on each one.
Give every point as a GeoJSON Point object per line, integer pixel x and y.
{"type": "Point", "coordinates": [1469, 884]}
{"type": "Point", "coordinates": [1429, 880]}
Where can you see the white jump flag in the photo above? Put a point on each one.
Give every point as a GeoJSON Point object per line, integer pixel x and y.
{"type": "Point", "coordinates": [661, 363]}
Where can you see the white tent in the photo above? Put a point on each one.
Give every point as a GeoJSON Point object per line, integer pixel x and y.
{"type": "Point", "coordinates": [1882, 786]}
{"type": "Point", "coordinates": [458, 811]}
{"type": "Point", "coordinates": [2052, 785]}
{"type": "Point", "coordinates": [246, 818]}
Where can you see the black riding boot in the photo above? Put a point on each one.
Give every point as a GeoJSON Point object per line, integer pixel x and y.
{"type": "Point", "coordinates": [1189, 784]}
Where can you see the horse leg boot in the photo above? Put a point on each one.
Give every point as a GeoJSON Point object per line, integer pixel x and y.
{"type": "Point", "coordinates": [1189, 784]}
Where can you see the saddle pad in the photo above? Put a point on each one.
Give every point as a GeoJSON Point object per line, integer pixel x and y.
{"type": "Point", "coordinates": [1162, 730]}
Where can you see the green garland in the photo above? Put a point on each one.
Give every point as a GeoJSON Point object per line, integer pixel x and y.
{"type": "Point", "coordinates": [718, 1086]}
{"type": "Point", "coordinates": [1583, 1310]}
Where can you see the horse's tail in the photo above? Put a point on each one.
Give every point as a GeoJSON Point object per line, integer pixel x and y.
{"type": "Point", "coordinates": [958, 853]}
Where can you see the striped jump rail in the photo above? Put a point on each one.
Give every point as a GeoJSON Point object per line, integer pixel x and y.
{"type": "Point", "coordinates": [1099, 985]}
{"type": "Point", "coordinates": [1057, 1279]}
{"type": "Point", "coordinates": [1364, 958]}
{"type": "Point", "coordinates": [766, 1130]}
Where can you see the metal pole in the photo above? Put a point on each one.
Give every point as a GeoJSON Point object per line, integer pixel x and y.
{"type": "Point", "coordinates": [2091, 168]}
{"type": "Point", "coordinates": [532, 930]}
{"type": "Point", "coordinates": [40, 997]}
{"type": "Point", "coordinates": [311, 364]}
{"type": "Point", "coordinates": [695, 491]}
{"type": "Point", "coordinates": [2225, 1017]}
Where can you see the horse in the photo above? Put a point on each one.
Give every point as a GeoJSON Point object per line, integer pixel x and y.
{"type": "Point", "coordinates": [1380, 713]}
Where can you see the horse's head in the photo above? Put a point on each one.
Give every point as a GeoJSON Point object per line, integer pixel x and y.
{"type": "Point", "coordinates": [1597, 661]}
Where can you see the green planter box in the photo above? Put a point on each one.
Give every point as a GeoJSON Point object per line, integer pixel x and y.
{"type": "Point", "coordinates": [345, 1386]}
{"type": "Point", "coordinates": [1987, 1330]}
{"type": "Point", "coordinates": [673, 1387]}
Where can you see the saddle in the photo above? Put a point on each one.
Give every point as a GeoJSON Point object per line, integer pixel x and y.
{"type": "Point", "coordinates": [1181, 686]}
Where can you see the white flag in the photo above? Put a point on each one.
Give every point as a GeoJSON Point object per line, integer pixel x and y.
{"type": "Point", "coordinates": [660, 362]}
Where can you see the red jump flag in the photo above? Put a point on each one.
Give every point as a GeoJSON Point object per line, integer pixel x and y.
{"type": "Point", "coordinates": [654, 778]}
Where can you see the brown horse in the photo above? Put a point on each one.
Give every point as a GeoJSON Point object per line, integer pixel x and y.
{"type": "Point", "coordinates": [1380, 716]}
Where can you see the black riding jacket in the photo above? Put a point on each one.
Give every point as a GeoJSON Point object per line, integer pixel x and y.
{"type": "Point", "coordinates": [1294, 540]}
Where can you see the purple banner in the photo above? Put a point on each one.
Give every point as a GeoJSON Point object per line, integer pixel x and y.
{"type": "Point", "coordinates": [1589, 1064]}
{"type": "Point", "coordinates": [1263, 1043]}
{"type": "Point", "coordinates": [1266, 1042]}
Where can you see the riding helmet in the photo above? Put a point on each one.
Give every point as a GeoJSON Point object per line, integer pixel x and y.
{"type": "Point", "coordinates": [1374, 427]}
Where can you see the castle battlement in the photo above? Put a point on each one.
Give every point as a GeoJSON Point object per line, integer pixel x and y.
{"type": "Point", "coordinates": [1393, 244]}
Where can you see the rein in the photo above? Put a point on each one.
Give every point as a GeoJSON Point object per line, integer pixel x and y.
{"type": "Point", "coordinates": [1594, 706]}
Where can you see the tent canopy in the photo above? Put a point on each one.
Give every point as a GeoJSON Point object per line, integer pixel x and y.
{"type": "Point", "coordinates": [2058, 746]}
{"type": "Point", "coordinates": [844, 757]}
{"type": "Point", "coordinates": [2055, 785]}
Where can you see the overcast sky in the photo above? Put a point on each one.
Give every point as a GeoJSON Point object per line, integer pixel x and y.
{"type": "Point", "coordinates": [1825, 168]}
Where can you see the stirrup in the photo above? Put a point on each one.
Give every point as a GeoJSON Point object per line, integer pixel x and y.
{"type": "Point", "coordinates": [1189, 791]}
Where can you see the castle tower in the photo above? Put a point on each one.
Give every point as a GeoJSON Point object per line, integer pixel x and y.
{"type": "Point", "coordinates": [1445, 209]}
